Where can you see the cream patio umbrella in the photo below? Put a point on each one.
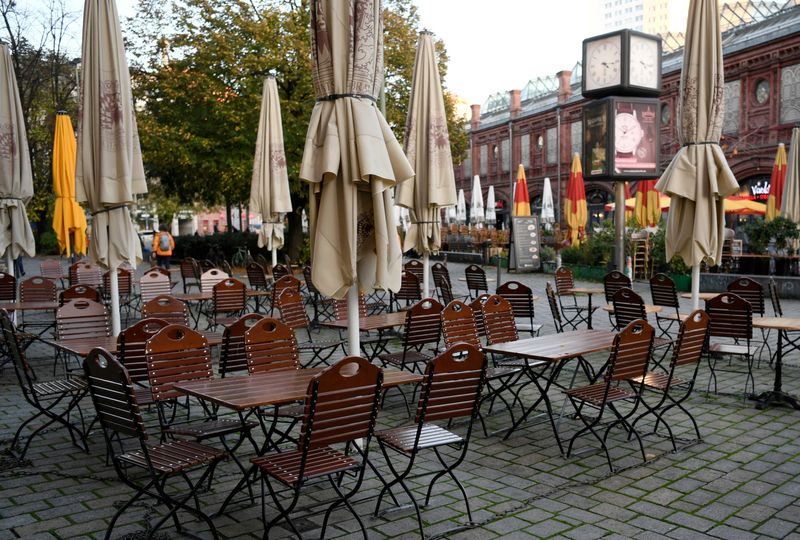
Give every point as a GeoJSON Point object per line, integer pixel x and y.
{"type": "Point", "coordinates": [427, 146]}
{"type": "Point", "coordinates": [351, 158]}
{"type": "Point", "coordinates": [109, 169]}
{"type": "Point", "coordinates": [698, 178]}
{"type": "Point", "coordinates": [269, 189]}
{"type": "Point", "coordinates": [461, 208]}
{"type": "Point", "coordinates": [790, 204]}
{"type": "Point", "coordinates": [491, 212]}
{"type": "Point", "coordinates": [548, 208]}
{"type": "Point", "coordinates": [476, 207]}
{"type": "Point", "coordinates": [16, 179]}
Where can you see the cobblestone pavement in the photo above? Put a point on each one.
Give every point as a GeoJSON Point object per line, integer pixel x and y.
{"type": "Point", "coordinates": [742, 480]}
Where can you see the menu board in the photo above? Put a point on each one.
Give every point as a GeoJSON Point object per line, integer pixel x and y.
{"type": "Point", "coordinates": [526, 243]}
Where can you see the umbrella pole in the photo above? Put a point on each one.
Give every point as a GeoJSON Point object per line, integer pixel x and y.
{"type": "Point", "coordinates": [426, 279]}
{"type": "Point", "coordinates": [274, 257]}
{"type": "Point", "coordinates": [619, 225]}
{"type": "Point", "coordinates": [696, 287]}
{"type": "Point", "coordinates": [352, 321]}
{"type": "Point", "coordinates": [114, 292]}
{"type": "Point", "coordinates": [10, 262]}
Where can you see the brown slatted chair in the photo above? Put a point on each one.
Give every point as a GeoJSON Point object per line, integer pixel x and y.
{"type": "Point", "coordinates": [190, 273]}
{"type": "Point", "coordinates": [83, 273]}
{"type": "Point", "coordinates": [689, 348]}
{"type": "Point", "coordinates": [225, 266]}
{"type": "Point", "coordinates": [114, 398]}
{"type": "Point", "coordinates": [612, 282]}
{"type": "Point", "coordinates": [520, 296]}
{"type": "Point", "coordinates": [451, 390]}
{"type": "Point", "coordinates": [160, 270]}
{"type": "Point", "coordinates": [8, 287]}
{"type": "Point", "coordinates": [52, 269]}
{"type": "Point", "coordinates": [260, 259]}
{"type": "Point", "coordinates": [628, 307]}
{"type": "Point", "coordinates": [444, 287]}
{"type": "Point", "coordinates": [131, 344]}
{"type": "Point", "coordinates": [572, 313]}
{"type": "Point", "coordinates": [552, 301]}
{"type": "Point", "coordinates": [476, 280]}
{"type": "Point", "coordinates": [423, 328]}
{"type": "Point", "coordinates": [52, 400]}
{"type": "Point", "coordinates": [341, 407]}
{"type": "Point", "coordinates": [79, 291]}
{"type": "Point", "coordinates": [280, 285]}
{"type": "Point", "coordinates": [229, 302]}
{"type": "Point", "coordinates": [279, 271]}
{"type": "Point", "coordinates": [125, 289]}
{"type": "Point", "coordinates": [627, 363]}
{"type": "Point", "coordinates": [233, 354]}
{"type": "Point", "coordinates": [293, 314]}
{"type": "Point", "coordinates": [322, 306]}
{"type": "Point", "coordinates": [168, 308]}
{"type": "Point", "coordinates": [38, 289]}
{"type": "Point", "coordinates": [753, 292]}
{"type": "Point", "coordinates": [477, 312]}
{"type": "Point", "coordinates": [205, 266]}
{"type": "Point", "coordinates": [257, 280]}
{"type": "Point", "coordinates": [415, 267]}
{"type": "Point", "coordinates": [731, 318]}
{"type": "Point", "coordinates": [178, 354]}
{"type": "Point", "coordinates": [154, 283]}
{"type": "Point", "coordinates": [82, 318]}
{"type": "Point", "coordinates": [410, 291]}
{"type": "Point", "coordinates": [663, 293]}
{"type": "Point", "coordinates": [211, 277]}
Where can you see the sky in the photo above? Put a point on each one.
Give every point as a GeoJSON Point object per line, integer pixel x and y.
{"type": "Point", "coordinates": [493, 45]}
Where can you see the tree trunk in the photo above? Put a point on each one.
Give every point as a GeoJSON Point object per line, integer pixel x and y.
{"type": "Point", "coordinates": [293, 244]}
{"type": "Point", "coordinates": [228, 215]}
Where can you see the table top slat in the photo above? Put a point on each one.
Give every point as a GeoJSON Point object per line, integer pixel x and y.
{"type": "Point", "coordinates": [556, 347]}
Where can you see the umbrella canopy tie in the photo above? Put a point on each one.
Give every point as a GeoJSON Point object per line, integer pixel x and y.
{"type": "Point", "coordinates": [334, 97]}
{"type": "Point", "coordinates": [272, 222]}
{"type": "Point", "coordinates": [110, 209]}
{"type": "Point", "coordinates": [700, 142]}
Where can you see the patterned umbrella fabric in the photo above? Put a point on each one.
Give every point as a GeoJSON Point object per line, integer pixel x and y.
{"type": "Point", "coordinates": [476, 207]}
{"type": "Point", "coordinates": [269, 188]}
{"type": "Point", "coordinates": [69, 221]}
{"type": "Point", "coordinates": [491, 214]}
{"type": "Point", "coordinates": [776, 183]}
{"type": "Point", "coordinates": [522, 200]}
{"type": "Point", "coordinates": [548, 208]}
{"type": "Point", "coordinates": [351, 157]}
{"type": "Point", "coordinates": [790, 203]}
{"type": "Point", "coordinates": [648, 206]}
{"type": "Point", "coordinates": [575, 203]}
{"type": "Point", "coordinates": [16, 179]}
{"type": "Point", "coordinates": [427, 146]}
{"type": "Point", "coordinates": [698, 178]}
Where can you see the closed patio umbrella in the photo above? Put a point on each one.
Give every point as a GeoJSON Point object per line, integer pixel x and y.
{"type": "Point", "coordinates": [698, 178]}
{"type": "Point", "coordinates": [776, 182]}
{"type": "Point", "coordinates": [648, 208]}
{"type": "Point", "coordinates": [461, 208]}
{"type": "Point", "coordinates": [742, 206]}
{"type": "Point", "coordinates": [16, 179]}
{"type": "Point", "coordinates": [269, 188]}
{"type": "Point", "coordinates": [522, 200]}
{"type": "Point", "coordinates": [491, 213]}
{"type": "Point", "coordinates": [427, 146]}
{"type": "Point", "coordinates": [351, 158]}
{"type": "Point", "coordinates": [69, 221]}
{"type": "Point", "coordinates": [790, 204]}
{"type": "Point", "coordinates": [109, 165]}
{"type": "Point", "coordinates": [575, 203]}
{"type": "Point", "coordinates": [548, 208]}
{"type": "Point", "coordinates": [476, 207]}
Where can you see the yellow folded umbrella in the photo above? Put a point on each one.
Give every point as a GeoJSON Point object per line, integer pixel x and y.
{"type": "Point", "coordinates": [68, 216]}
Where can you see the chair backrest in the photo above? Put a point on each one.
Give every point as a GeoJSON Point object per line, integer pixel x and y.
{"type": "Point", "coordinates": [340, 307]}
{"type": "Point", "coordinates": [8, 287]}
{"type": "Point", "coordinates": [131, 344]}
{"type": "Point", "coordinates": [158, 269]}
{"type": "Point", "coordinates": [211, 277]}
{"type": "Point", "coordinates": [477, 312]}
{"type": "Point", "coordinates": [415, 267]}
{"type": "Point", "coordinates": [230, 296]}
{"type": "Point", "coordinates": [520, 296]}
{"type": "Point", "coordinates": [630, 352]}
{"type": "Point", "coordinates": [260, 259]}
{"type": "Point", "coordinates": [270, 345]}
{"type": "Point", "coordinates": [113, 396]}
{"type": "Point", "coordinates": [38, 289]}
{"type": "Point", "coordinates": [82, 319]}
{"type": "Point", "coordinates": [280, 270]}
{"type": "Point", "coordinates": [691, 340]}
{"type": "Point", "coordinates": [775, 298]}
{"type": "Point", "coordinates": [452, 384]}
{"type": "Point", "coordinates": [446, 292]}
{"type": "Point", "coordinates": [85, 274]}
{"type": "Point", "coordinates": [410, 288]}
{"type": "Point", "coordinates": [341, 404]}
{"type": "Point", "coordinates": [233, 354]}
{"type": "Point", "coordinates": [458, 325]}
{"type": "Point", "coordinates": [750, 290]}
{"type": "Point", "coordinates": [663, 291]}
{"type": "Point", "coordinates": [25, 375]}
{"type": "Point", "coordinates": [79, 291]}
{"type": "Point", "coordinates": [423, 324]}
{"type": "Point", "coordinates": [293, 312]}
{"type": "Point", "coordinates": [614, 281]}
{"type": "Point", "coordinates": [731, 316]}
{"type": "Point", "coordinates": [190, 269]}
{"type": "Point", "coordinates": [153, 284]}
{"type": "Point", "coordinates": [257, 276]}
{"type": "Point", "coordinates": [225, 266]}
{"type": "Point", "coordinates": [476, 278]}
{"type": "Point", "coordinates": [628, 307]}
{"type": "Point", "coordinates": [51, 268]}
{"type": "Point", "coordinates": [310, 282]}
{"type": "Point", "coordinates": [167, 307]}
{"type": "Point", "coordinates": [440, 274]}
{"type": "Point", "coordinates": [124, 282]}
{"type": "Point", "coordinates": [205, 265]}
{"type": "Point", "coordinates": [498, 317]}
{"type": "Point", "coordinates": [564, 281]}
{"type": "Point", "coordinates": [282, 284]}
{"type": "Point", "coordinates": [552, 301]}
{"type": "Point", "coordinates": [176, 354]}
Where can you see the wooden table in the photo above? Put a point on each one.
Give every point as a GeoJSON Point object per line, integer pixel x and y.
{"type": "Point", "coordinates": [29, 306]}
{"type": "Point", "coordinates": [556, 349]}
{"type": "Point", "coordinates": [206, 296]}
{"type": "Point", "coordinates": [588, 291]}
{"type": "Point", "coordinates": [382, 321]}
{"type": "Point", "coordinates": [82, 347]}
{"type": "Point", "coordinates": [705, 296]}
{"type": "Point", "coordinates": [777, 396]}
{"type": "Point", "coordinates": [647, 308]}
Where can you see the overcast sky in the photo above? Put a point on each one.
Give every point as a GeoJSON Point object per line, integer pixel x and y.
{"type": "Point", "coordinates": [494, 45]}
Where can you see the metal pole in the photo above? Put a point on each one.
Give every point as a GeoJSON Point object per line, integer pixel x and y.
{"type": "Point", "coordinates": [619, 224]}
{"type": "Point", "coordinates": [426, 276]}
{"type": "Point", "coordinates": [10, 262]}
{"type": "Point", "coordinates": [696, 287]}
{"type": "Point", "coordinates": [114, 292]}
{"type": "Point", "coordinates": [353, 336]}
{"type": "Point", "coordinates": [558, 166]}
{"type": "Point", "coordinates": [274, 257]}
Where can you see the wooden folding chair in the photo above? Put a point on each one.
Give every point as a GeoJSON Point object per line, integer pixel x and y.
{"type": "Point", "coordinates": [450, 390]}
{"type": "Point", "coordinates": [233, 353]}
{"type": "Point", "coordinates": [573, 313]}
{"type": "Point", "coordinates": [190, 273]}
{"type": "Point", "coordinates": [476, 280]}
{"type": "Point", "coordinates": [53, 401]}
{"type": "Point", "coordinates": [732, 318]}
{"type": "Point", "coordinates": [52, 269]}
{"type": "Point", "coordinates": [627, 363]}
{"type": "Point", "coordinates": [663, 293]}
{"type": "Point", "coordinates": [341, 407]}
{"type": "Point", "coordinates": [612, 282]}
{"type": "Point", "coordinates": [423, 328]}
{"type": "Point", "coordinates": [131, 345]}
{"type": "Point", "coordinates": [85, 273]}
{"type": "Point", "coordinates": [753, 292]}
{"type": "Point", "coordinates": [37, 289]}
{"type": "Point", "coordinates": [8, 287]}
{"type": "Point", "coordinates": [257, 278]}
{"type": "Point", "coordinates": [79, 291]}
{"type": "Point", "coordinates": [229, 302]}
{"type": "Point", "coordinates": [211, 277]}
{"type": "Point", "coordinates": [80, 319]}
{"type": "Point", "coordinates": [168, 308]}
{"type": "Point", "coordinates": [114, 399]}
{"type": "Point", "coordinates": [520, 296]}
{"type": "Point", "coordinates": [322, 306]}
{"type": "Point", "coordinates": [154, 283]}
{"type": "Point", "coordinates": [415, 267]}
{"type": "Point", "coordinates": [293, 314]}
{"type": "Point", "coordinates": [552, 301]}
{"type": "Point", "coordinates": [410, 291]}
{"type": "Point", "coordinates": [280, 270]}
{"type": "Point", "coordinates": [281, 284]}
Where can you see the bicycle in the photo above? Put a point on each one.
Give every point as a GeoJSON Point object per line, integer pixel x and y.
{"type": "Point", "coordinates": [241, 258]}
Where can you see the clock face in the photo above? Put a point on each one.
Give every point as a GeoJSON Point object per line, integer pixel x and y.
{"type": "Point", "coordinates": [627, 133]}
{"type": "Point", "coordinates": [762, 92]}
{"type": "Point", "coordinates": [643, 62]}
{"type": "Point", "coordinates": [603, 62]}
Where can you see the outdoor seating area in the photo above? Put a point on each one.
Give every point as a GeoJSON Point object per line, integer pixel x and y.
{"type": "Point", "coordinates": [602, 408]}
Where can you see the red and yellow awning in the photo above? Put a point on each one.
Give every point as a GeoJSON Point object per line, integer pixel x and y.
{"type": "Point", "coordinates": [648, 204]}
{"type": "Point", "coordinates": [522, 201]}
{"type": "Point", "coordinates": [575, 203]}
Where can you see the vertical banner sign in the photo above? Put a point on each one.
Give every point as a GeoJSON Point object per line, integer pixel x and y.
{"type": "Point", "coordinates": [526, 243]}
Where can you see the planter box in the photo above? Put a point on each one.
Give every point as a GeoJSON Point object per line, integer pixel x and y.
{"type": "Point", "coordinates": [683, 282]}
{"type": "Point", "coordinates": [588, 273]}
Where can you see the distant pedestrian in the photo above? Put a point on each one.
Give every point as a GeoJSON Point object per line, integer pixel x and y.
{"type": "Point", "coordinates": [163, 244]}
